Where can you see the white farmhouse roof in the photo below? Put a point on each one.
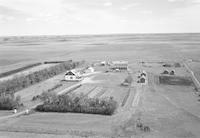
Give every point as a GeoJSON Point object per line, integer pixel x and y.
{"type": "Point", "coordinates": [72, 72]}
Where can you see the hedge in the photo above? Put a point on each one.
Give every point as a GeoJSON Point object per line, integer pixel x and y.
{"type": "Point", "coordinates": [66, 103]}
{"type": "Point", "coordinates": [9, 102]}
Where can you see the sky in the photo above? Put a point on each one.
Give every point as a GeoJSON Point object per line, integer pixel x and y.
{"type": "Point", "coordinates": [66, 17]}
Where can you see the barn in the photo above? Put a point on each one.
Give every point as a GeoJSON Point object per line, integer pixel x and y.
{"type": "Point", "coordinates": [72, 75]}
{"type": "Point", "coordinates": [120, 65]}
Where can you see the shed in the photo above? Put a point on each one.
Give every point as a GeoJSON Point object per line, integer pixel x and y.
{"type": "Point", "coordinates": [142, 80]}
{"type": "Point", "coordinates": [165, 72]}
{"type": "Point", "coordinates": [172, 72]}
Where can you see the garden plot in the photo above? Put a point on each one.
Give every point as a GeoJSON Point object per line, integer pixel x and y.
{"type": "Point", "coordinates": [103, 90]}
{"type": "Point", "coordinates": [117, 93]}
{"type": "Point", "coordinates": [95, 92]}
{"type": "Point", "coordinates": [84, 89]}
{"type": "Point", "coordinates": [108, 93]}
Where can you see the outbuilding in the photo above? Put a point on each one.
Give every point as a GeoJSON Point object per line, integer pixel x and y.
{"type": "Point", "coordinates": [165, 72]}
{"type": "Point", "coordinates": [89, 70]}
{"type": "Point", "coordinates": [142, 80]}
{"type": "Point", "coordinates": [121, 65]}
{"type": "Point", "coordinates": [172, 72]}
{"type": "Point", "coordinates": [143, 73]}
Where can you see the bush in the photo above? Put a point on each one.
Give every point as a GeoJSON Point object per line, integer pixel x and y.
{"type": "Point", "coordinates": [9, 102]}
{"type": "Point", "coordinates": [66, 103]}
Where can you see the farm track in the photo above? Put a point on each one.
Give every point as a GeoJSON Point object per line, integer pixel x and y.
{"type": "Point", "coordinates": [195, 80]}
{"type": "Point", "coordinates": [126, 97]}
{"type": "Point", "coordinates": [128, 100]}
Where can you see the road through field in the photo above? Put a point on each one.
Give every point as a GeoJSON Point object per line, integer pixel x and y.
{"type": "Point", "coordinates": [197, 83]}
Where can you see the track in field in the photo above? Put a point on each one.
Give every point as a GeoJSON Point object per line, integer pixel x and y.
{"type": "Point", "coordinates": [126, 97]}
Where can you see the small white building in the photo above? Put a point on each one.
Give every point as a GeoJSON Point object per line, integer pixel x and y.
{"type": "Point", "coordinates": [89, 70]}
{"type": "Point", "coordinates": [72, 75]}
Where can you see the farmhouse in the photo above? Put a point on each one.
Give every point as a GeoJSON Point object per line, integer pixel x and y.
{"type": "Point", "coordinates": [119, 65]}
{"type": "Point", "coordinates": [72, 75]}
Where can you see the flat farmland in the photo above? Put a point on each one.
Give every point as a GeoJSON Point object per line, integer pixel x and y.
{"type": "Point", "coordinates": [27, 71]}
{"type": "Point", "coordinates": [5, 113]}
{"type": "Point", "coordinates": [61, 124]}
{"type": "Point", "coordinates": [169, 111]}
{"type": "Point", "coordinates": [91, 48]}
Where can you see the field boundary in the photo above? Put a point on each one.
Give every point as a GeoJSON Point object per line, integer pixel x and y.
{"type": "Point", "coordinates": [14, 71]}
{"type": "Point", "coordinates": [195, 80]}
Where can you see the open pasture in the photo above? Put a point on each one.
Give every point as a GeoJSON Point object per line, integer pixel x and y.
{"type": "Point", "coordinates": [136, 47]}
{"type": "Point", "coordinates": [61, 124]}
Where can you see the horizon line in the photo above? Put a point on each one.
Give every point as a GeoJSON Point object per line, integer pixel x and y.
{"type": "Point", "coordinates": [101, 34]}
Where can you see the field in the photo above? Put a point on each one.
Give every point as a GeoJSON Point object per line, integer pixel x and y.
{"type": "Point", "coordinates": [170, 111]}
{"type": "Point", "coordinates": [27, 71]}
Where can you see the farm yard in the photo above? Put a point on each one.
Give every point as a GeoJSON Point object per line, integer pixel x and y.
{"type": "Point", "coordinates": [152, 109]}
